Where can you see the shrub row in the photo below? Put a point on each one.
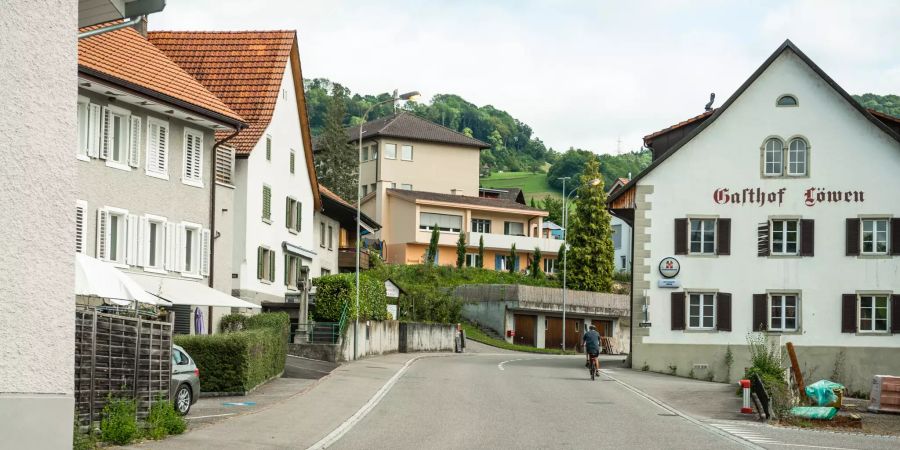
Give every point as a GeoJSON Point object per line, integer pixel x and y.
{"type": "Point", "coordinates": [333, 291]}
{"type": "Point", "coordinates": [239, 361]}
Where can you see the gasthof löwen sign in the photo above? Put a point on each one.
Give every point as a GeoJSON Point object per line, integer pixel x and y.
{"type": "Point", "coordinates": [760, 197]}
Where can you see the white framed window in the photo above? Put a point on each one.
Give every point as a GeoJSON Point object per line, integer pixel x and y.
{"type": "Point", "coordinates": [265, 265]}
{"type": "Point", "coordinates": [622, 258]}
{"type": "Point", "coordinates": [81, 208]}
{"type": "Point", "coordinates": [702, 236]}
{"type": "Point", "coordinates": [374, 151]}
{"type": "Point", "coordinates": [786, 100]}
{"type": "Point", "coordinates": [390, 151]}
{"type": "Point", "coordinates": [322, 234]}
{"type": "Point", "coordinates": [702, 311]}
{"type": "Point", "coordinates": [267, 204]}
{"type": "Point", "coordinates": [550, 265]}
{"type": "Point", "coordinates": [873, 314]}
{"type": "Point", "coordinates": [514, 228]}
{"type": "Point", "coordinates": [293, 160]}
{"type": "Point", "coordinates": [406, 186]}
{"type": "Point", "coordinates": [153, 246]}
{"type": "Point", "coordinates": [617, 236]}
{"type": "Point", "coordinates": [157, 148]}
{"type": "Point", "coordinates": [292, 268]}
{"type": "Point", "coordinates": [330, 238]}
{"type": "Point", "coordinates": [444, 222]}
{"type": "Point", "coordinates": [784, 312]}
{"type": "Point", "coordinates": [875, 235]}
{"type": "Point", "coordinates": [481, 225]}
{"type": "Point", "coordinates": [797, 152]}
{"type": "Point", "coordinates": [114, 139]}
{"type": "Point", "coordinates": [112, 235]}
{"type": "Point", "coordinates": [293, 214]}
{"type": "Point", "coordinates": [471, 259]}
{"type": "Point", "coordinates": [774, 154]}
{"type": "Point", "coordinates": [364, 154]}
{"type": "Point", "coordinates": [406, 152]}
{"type": "Point", "coordinates": [192, 174]}
{"type": "Point", "coordinates": [84, 128]}
{"type": "Point", "coordinates": [190, 248]}
{"type": "Point", "coordinates": [785, 236]}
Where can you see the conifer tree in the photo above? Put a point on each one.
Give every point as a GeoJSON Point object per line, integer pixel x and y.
{"type": "Point", "coordinates": [461, 250]}
{"type": "Point", "coordinates": [336, 162]}
{"type": "Point", "coordinates": [431, 253]}
{"type": "Point", "coordinates": [480, 261]}
{"type": "Point", "coordinates": [513, 259]}
{"type": "Point", "coordinates": [536, 263]}
{"type": "Point", "coordinates": [591, 251]}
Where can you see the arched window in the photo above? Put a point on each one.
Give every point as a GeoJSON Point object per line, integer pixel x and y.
{"type": "Point", "coordinates": [774, 158]}
{"type": "Point", "coordinates": [787, 100]}
{"type": "Point", "coordinates": [797, 156]}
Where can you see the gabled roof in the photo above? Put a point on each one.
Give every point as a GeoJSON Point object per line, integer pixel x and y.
{"type": "Point", "coordinates": [410, 126]}
{"type": "Point", "coordinates": [786, 46]}
{"type": "Point", "coordinates": [341, 210]}
{"type": "Point", "coordinates": [464, 200]}
{"type": "Point", "coordinates": [548, 225]}
{"type": "Point", "coordinates": [679, 125]}
{"type": "Point", "coordinates": [126, 58]}
{"type": "Point", "coordinates": [245, 69]}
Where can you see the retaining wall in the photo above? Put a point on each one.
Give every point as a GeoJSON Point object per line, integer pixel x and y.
{"type": "Point", "coordinates": [382, 337]}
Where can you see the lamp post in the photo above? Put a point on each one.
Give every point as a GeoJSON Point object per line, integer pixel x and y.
{"type": "Point", "coordinates": [407, 96]}
{"type": "Point", "coordinates": [593, 182]}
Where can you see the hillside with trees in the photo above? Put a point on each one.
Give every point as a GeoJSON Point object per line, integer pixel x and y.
{"type": "Point", "coordinates": [888, 104]}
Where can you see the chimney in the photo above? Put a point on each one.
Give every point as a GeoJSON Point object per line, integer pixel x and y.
{"type": "Point", "coordinates": [141, 26]}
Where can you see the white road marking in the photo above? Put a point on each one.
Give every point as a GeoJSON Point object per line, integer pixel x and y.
{"type": "Point", "coordinates": [207, 417]}
{"type": "Point", "coordinates": [343, 428]}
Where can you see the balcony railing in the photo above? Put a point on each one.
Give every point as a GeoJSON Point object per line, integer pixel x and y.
{"type": "Point", "coordinates": [505, 242]}
{"type": "Point", "coordinates": [347, 258]}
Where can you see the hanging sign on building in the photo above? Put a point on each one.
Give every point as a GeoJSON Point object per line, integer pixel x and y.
{"type": "Point", "coordinates": [669, 267]}
{"type": "Point", "coordinates": [760, 197]}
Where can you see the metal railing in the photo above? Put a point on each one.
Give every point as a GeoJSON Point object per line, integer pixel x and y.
{"type": "Point", "coordinates": [313, 332]}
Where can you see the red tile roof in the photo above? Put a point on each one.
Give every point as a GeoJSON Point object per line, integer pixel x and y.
{"type": "Point", "coordinates": [244, 68]}
{"type": "Point", "coordinates": [680, 124]}
{"type": "Point", "coordinates": [124, 56]}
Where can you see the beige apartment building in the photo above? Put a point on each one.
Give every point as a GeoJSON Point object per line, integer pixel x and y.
{"type": "Point", "coordinates": [416, 175]}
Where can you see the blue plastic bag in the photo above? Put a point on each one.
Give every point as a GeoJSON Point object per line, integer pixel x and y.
{"type": "Point", "coordinates": [822, 392]}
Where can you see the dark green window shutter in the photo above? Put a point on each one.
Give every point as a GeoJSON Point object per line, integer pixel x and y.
{"type": "Point", "coordinates": [286, 268]}
{"type": "Point", "coordinates": [292, 161]}
{"type": "Point", "coordinates": [268, 148]}
{"type": "Point", "coordinates": [260, 254]}
{"type": "Point", "coordinates": [299, 224]}
{"type": "Point", "coordinates": [271, 266]}
{"type": "Point", "coordinates": [287, 212]}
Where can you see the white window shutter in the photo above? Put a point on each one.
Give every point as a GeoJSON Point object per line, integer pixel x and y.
{"type": "Point", "coordinates": [197, 174]}
{"type": "Point", "coordinates": [102, 227]}
{"type": "Point", "coordinates": [180, 254]}
{"type": "Point", "coordinates": [93, 135]}
{"type": "Point", "coordinates": [134, 149]}
{"type": "Point", "coordinates": [143, 253]}
{"type": "Point", "coordinates": [170, 246]}
{"type": "Point", "coordinates": [131, 239]}
{"type": "Point", "coordinates": [162, 149]}
{"type": "Point", "coordinates": [205, 238]}
{"type": "Point", "coordinates": [82, 128]}
{"type": "Point", "coordinates": [105, 133]}
{"type": "Point", "coordinates": [80, 225]}
{"type": "Point", "coordinates": [188, 156]}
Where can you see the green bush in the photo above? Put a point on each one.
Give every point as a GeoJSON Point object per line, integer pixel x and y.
{"type": "Point", "coordinates": [232, 323]}
{"type": "Point", "coordinates": [119, 423]}
{"type": "Point", "coordinates": [163, 420]}
{"type": "Point", "coordinates": [767, 363]}
{"type": "Point", "coordinates": [426, 303]}
{"type": "Point", "coordinates": [81, 440]}
{"type": "Point", "coordinates": [239, 361]}
{"type": "Point", "coordinates": [333, 291]}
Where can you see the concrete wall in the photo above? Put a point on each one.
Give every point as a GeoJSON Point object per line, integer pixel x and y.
{"type": "Point", "coordinates": [427, 337]}
{"type": "Point", "coordinates": [375, 338]}
{"type": "Point", "coordinates": [37, 327]}
{"type": "Point", "coordinates": [382, 337]}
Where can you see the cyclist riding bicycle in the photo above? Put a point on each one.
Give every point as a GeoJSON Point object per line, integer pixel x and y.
{"type": "Point", "coordinates": [592, 346]}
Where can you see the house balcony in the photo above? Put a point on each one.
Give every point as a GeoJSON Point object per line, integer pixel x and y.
{"type": "Point", "coordinates": [505, 242]}
{"type": "Point", "coordinates": [347, 259]}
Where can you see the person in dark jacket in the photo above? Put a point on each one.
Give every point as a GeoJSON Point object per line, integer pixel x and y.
{"type": "Point", "coordinates": [592, 346]}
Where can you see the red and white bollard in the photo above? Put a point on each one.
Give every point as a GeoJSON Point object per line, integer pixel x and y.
{"type": "Point", "coordinates": [746, 408]}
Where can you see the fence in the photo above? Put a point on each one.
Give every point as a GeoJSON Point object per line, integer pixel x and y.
{"type": "Point", "coordinates": [119, 356]}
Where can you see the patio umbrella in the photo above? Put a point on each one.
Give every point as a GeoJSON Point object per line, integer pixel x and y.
{"type": "Point", "coordinates": [99, 279]}
{"type": "Point", "coordinates": [198, 321]}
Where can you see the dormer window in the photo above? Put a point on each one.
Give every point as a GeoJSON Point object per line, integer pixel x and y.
{"type": "Point", "coordinates": [787, 100]}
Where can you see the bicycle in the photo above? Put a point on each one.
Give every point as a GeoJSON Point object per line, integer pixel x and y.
{"type": "Point", "coordinates": [593, 367]}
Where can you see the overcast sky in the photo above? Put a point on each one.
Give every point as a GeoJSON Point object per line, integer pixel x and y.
{"type": "Point", "coordinates": [587, 74]}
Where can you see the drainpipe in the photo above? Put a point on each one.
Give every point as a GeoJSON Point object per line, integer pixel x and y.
{"type": "Point", "coordinates": [118, 26]}
{"type": "Point", "coordinates": [212, 218]}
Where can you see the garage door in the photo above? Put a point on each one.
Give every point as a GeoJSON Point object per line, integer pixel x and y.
{"type": "Point", "coordinates": [524, 327]}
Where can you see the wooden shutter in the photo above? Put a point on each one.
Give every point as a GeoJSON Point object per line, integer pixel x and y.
{"type": "Point", "coordinates": [105, 133]}
{"type": "Point", "coordinates": [93, 135]}
{"type": "Point", "coordinates": [678, 311]}
{"type": "Point", "coordinates": [293, 157]}
{"type": "Point", "coordinates": [299, 223]}
{"type": "Point", "coordinates": [102, 227]}
{"type": "Point", "coordinates": [852, 233]}
{"type": "Point", "coordinates": [848, 313]}
{"type": "Point", "coordinates": [681, 234]}
{"type": "Point", "coordinates": [272, 266]}
{"type": "Point", "coordinates": [760, 312]}
{"type": "Point", "coordinates": [205, 250]}
{"type": "Point", "coordinates": [82, 129]}
{"type": "Point", "coordinates": [723, 237]}
{"type": "Point", "coordinates": [224, 165]}
{"type": "Point", "coordinates": [268, 148]}
{"type": "Point", "coordinates": [267, 203]}
{"type": "Point", "coordinates": [807, 237]}
{"type": "Point", "coordinates": [134, 148]}
{"type": "Point", "coordinates": [197, 172]}
{"type": "Point", "coordinates": [260, 263]}
{"type": "Point", "coordinates": [288, 215]}
{"type": "Point", "coordinates": [762, 239]}
{"type": "Point", "coordinates": [190, 156]}
{"type": "Point", "coordinates": [171, 245]}
{"type": "Point", "coordinates": [131, 239]}
{"type": "Point", "coordinates": [80, 225]}
{"type": "Point", "coordinates": [287, 268]}
{"type": "Point", "coordinates": [895, 313]}
{"type": "Point", "coordinates": [895, 236]}
{"type": "Point", "coordinates": [723, 311]}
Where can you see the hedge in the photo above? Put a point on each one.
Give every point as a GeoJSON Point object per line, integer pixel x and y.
{"type": "Point", "coordinates": [333, 291]}
{"type": "Point", "coordinates": [239, 361]}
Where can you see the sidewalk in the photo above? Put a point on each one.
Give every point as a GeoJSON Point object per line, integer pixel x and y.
{"type": "Point", "coordinates": [299, 420]}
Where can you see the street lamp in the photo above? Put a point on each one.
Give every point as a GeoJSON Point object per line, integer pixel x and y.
{"type": "Point", "coordinates": [593, 182]}
{"type": "Point", "coordinates": [407, 96]}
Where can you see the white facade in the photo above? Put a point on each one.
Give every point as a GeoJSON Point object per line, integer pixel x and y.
{"type": "Point", "coordinates": [327, 233]}
{"type": "Point", "coordinates": [253, 174]}
{"type": "Point", "coordinates": [621, 237]}
{"type": "Point", "coordinates": [847, 152]}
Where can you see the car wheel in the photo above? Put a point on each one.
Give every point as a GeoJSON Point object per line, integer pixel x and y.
{"type": "Point", "coordinates": [183, 399]}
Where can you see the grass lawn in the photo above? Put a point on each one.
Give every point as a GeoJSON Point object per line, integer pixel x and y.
{"type": "Point", "coordinates": [534, 184]}
{"type": "Point", "coordinates": [476, 334]}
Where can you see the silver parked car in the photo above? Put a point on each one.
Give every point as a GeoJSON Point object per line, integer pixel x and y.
{"type": "Point", "coordinates": [185, 386]}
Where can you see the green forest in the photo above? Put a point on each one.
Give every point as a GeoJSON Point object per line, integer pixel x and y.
{"type": "Point", "coordinates": [888, 104]}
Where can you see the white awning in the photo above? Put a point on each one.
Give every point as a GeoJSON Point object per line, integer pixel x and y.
{"type": "Point", "coordinates": [187, 292]}
{"type": "Point", "coordinates": [298, 251]}
{"type": "Point", "coordinates": [101, 279]}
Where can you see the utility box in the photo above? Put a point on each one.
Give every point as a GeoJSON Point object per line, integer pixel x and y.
{"type": "Point", "coordinates": [885, 394]}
